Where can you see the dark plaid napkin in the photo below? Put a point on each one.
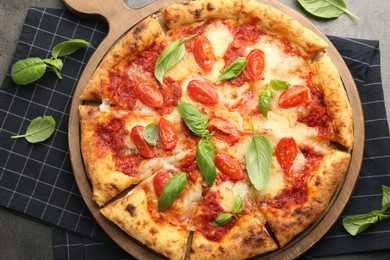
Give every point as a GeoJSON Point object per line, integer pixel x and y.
{"type": "Point", "coordinates": [37, 181]}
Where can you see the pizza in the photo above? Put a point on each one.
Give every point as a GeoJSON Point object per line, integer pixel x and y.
{"type": "Point", "coordinates": [215, 129]}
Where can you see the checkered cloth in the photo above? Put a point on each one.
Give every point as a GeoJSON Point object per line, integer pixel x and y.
{"type": "Point", "coordinates": [36, 179]}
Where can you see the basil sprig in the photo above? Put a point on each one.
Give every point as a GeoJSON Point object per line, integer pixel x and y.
{"type": "Point", "coordinates": [150, 133]}
{"type": "Point", "coordinates": [198, 122]}
{"type": "Point", "coordinates": [355, 225]}
{"type": "Point", "coordinates": [265, 95]}
{"type": "Point", "coordinates": [29, 70]}
{"type": "Point", "coordinates": [171, 190]}
{"type": "Point", "coordinates": [205, 158]}
{"type": "Point", "coordinates": [258, 161]}
{"type": "Point", "coordinates": [225, 218]}
{"type": "Point", "coordinates": [233, 70]}
{"type": "Point", "coordinates": [326, 8]}
{"type": "Point", "coordinates": [39, 129]}
{"type": "Point", "coordinates": [171, 55]}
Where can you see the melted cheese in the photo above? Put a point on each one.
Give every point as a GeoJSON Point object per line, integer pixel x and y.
{"type": "Point", "coordinates": [220, 37]}
{"type": "Point", "coordinates": [228, 191]}
{"type": "Point", "coordinates": [276, 181]}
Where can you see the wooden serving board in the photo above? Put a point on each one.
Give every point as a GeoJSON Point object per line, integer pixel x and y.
{"type": "Point", "coordinates": [120, 19]}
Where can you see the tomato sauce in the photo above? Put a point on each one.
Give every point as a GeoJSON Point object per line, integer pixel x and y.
{"type": "Point", "coordinates": [211, 209]}
{"type": "Point", "coordinates": [188, 165]}
{"type": "Point", "coordinates": [296, 193]}
{"type": "Point", "coordinates": [171, 91]}
{"type": "Point", "coordinates": [112, 136]}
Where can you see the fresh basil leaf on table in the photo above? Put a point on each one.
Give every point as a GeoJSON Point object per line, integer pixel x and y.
{"type": "Point", "coordinates": [171, 190]}
{"type": "Point", "coordinates": [326, 8]}
{"type": "Point", "coordinates": [68, 47]}
{"type": "Point", "coordinates": [39, 129]}
{"type": "Point", "coordinates": [355, 225]}
{"type": "Point", "coordinates": [28, 70]}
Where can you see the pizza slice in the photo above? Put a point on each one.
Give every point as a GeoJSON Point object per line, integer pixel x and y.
{"type": "Point", "coordinates": [159, 211]}
{"type": "Point", "coordinates": [228, 224]}
{"type": "Point", "coordinates": [304, 177]}
{"type": "Point", "coordinates": [116, 152]}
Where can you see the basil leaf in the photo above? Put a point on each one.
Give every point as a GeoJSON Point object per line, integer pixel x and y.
{"type": "Point", "coordinates": [326, 8]}
{"type": "Point", "coordinates": [28, 70]}
{"type": "Point", "coordinates": [68, 47]}
{"type": "Point", "coordinates": [233, 70]}
{"type": "Point", "coordinates": [358, 223]}
{"type": "Point", "coordinates": [196, 121]}
{"type": "Point", "coordinates": [205, 158]}
{"type": "Point", "coordinates": [278, 84]}
{"type": "Point", "coordinates": [57, 63]}
{"type": "Point", "coordinates": [39, 129]}
{"type": "Point", "coordinates": [150, 133]}
{"type": "Point", "coordinates": [222, 219]}
{"type": "Point", "coordinates": [171, 190]}
{"type": "Point", "coordinates": [385, 198]}
{"type": "Point", "coordinates": [264, 101]}
{"type": "Point", "coordinates": [258, 161]}
{"type": "Point", "coordinates": [171, 55]}
{"type": "Point", "coordinates": [237, 204]}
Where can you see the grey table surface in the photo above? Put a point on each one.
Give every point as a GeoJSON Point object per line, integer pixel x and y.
{"type": "Point", "coordinates": [22, 238]}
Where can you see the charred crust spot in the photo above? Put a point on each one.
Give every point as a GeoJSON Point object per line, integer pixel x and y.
{"type": "Point", "coordinates": [318, 182]}
{"type": "Point", "coordinates": [139, 29]}
{"type": "Point", "coordinates": [153, 231]}
{"type": "Point", "coordinates": [197, 13]}
{"type": "Point", "coordinates": [221, 249]}
{"type": "Point", "coordinates": [253, 240]}
{"type": "Point", "coordinates": [131, 209]}
{"type": "Point", "coordinates": [298, 211]}
{"type": "Point", "coordinates": [210, 6]}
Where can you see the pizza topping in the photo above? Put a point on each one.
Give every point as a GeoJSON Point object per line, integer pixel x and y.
{"type": "Point", "coordinates": [171, 190]}
{"type": "Point", "coordinates": [144, 149]}
{"type": "Point", "coordinates": [224, 129]}
{"type": "Point", "coordinates": [225, 218]}
{"type": "Point", "coordinates": [195, 120]}
{"type": "Point", "coordinates": [201, 92]}
{"type": "Point", "coordinates": [255, 64]}
{"type": "Point", "coordinates": [233, 70]}
{"type": "Point", "coordinates": [265, 95]}
{"type": "Point", "coordinates": [171, 91]}
{"type": "Point", "coordinates": [229, 166]}
{"type": "Point", "coordinates": [258, 161]}
{"type": "Point", "coordinates": [294, 96]}
{"type": "Point", "coordinates": [210, 210]}
{"type": "Point", "coordinates": [204, 53]}
{"type": "Point", "coordinates": [205, 158]}
{"type": "Point", "coordinates": [120, 90]}
{"type": "Point", "coordinates": [169, 57]}
{"type": "Point", "coordinates": [286, 152]}
{"type": "Point", "coordinates": [150, 134]}
{"type": "Point", "coordinates": [167, 136]}
{"type": "Point", "coordinates": [149, 94]}
{"type": "Point", "coordinates": [159, 181]}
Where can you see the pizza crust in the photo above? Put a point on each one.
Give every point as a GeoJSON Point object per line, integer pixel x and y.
{"type": "Point", "coordinates": [106, 181]}
{"type": "Point", "coordinates": [183, 14]}
{"type": "Point", "coordinates": [276, 22]}
{"type": "Point", "coordinates": [321, 187]}
{"type": "Point", "coordinates": [142, 36]}
{"type": "Point", "coordinates": [336, 100]}
{"type": "Point", "coordinates": [246, 239]}
{"type": "Point", "coordinates": [138, 223]}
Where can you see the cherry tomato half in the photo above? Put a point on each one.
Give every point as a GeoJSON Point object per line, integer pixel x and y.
{"type": "Point", "coordinates": [204, 53]}
{"type": "Point", "coordinates": [201, 92]}
{"type": "Point", "coordinates": [144, 149]}
{"type": "Point", "coordinates": [149, 94]}
{"type": "Point", "coordinates": [293, 97]}
{"type": "Point", "coordinates": [255, 65]}
{"type": "Point", "coordinates": [229, 166]}
{"type": "Point", "coordinates": [286, 152]}
{"type": "Point", "coordinates": [159, 181]}
{"type": "Point", "coordinates": [224, 129]}
{"type": "Point", "coordinates": [167, 136]}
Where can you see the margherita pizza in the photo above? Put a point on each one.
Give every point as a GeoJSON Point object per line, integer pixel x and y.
{"type": "Point", "coordinates": [231, 127]}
